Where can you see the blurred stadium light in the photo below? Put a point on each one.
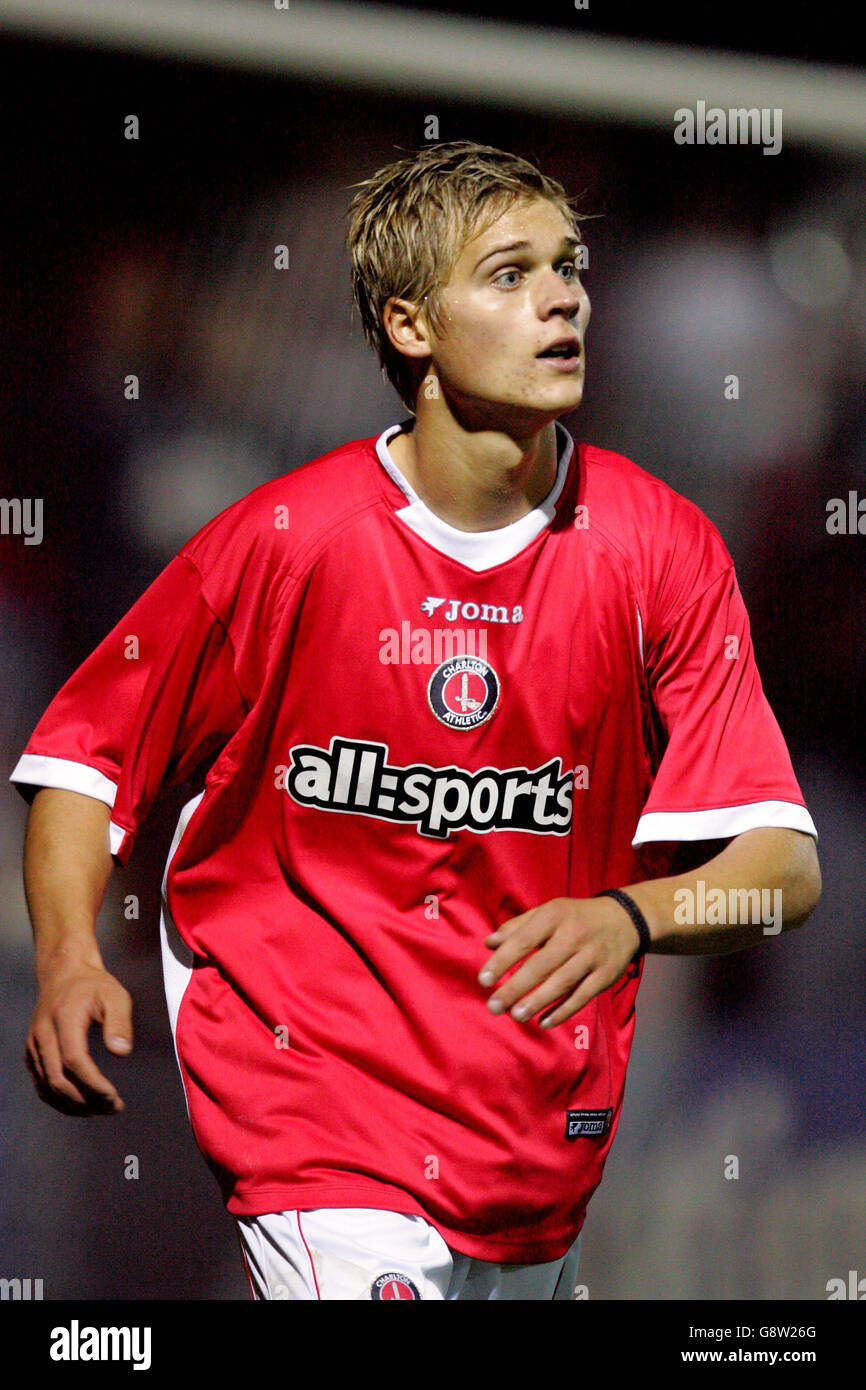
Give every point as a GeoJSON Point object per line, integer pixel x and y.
{"type": "Point", "coordinates": [444, 55]}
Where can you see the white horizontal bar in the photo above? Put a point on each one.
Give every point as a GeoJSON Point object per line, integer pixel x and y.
{"type": "Point", "coordinates": [437, 55]}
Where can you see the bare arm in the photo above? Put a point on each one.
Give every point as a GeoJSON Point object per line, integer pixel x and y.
{"type": "Point", "coordinates": [686, 915]}
{"type": "Point", "coordinates": [573, 948]}
{"type": "Point", "coordinates": [67, 866]}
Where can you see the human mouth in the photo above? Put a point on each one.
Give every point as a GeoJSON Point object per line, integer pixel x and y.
{"type": "Point", "coordinates": [563, 354]}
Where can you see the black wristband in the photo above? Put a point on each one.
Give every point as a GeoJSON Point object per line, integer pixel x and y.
{"type": "Point", "coordinates": [636, 916]}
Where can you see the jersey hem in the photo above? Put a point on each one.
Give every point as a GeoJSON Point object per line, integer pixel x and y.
{"type": "Point", "coordinates": [270, 1200]}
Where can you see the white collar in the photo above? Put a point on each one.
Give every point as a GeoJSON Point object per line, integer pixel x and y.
{"type": "Point", "coordinates": [478, 550]}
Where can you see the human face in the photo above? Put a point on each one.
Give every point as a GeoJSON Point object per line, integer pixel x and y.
{"type": "Point", "coordinates": [514, 291]}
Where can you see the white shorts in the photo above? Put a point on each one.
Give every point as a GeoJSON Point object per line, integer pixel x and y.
{"type": "Point", "coordinates": [362, 1253]}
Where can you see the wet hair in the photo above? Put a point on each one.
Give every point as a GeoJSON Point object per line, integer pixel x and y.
{"type": "Point", "coordinates": [409, 222]}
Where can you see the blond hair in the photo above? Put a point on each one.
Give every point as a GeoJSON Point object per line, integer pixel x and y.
{"type": "Point", "coordinates": [410, 221]}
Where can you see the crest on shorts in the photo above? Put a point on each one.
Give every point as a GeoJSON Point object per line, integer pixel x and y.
{"type": "Point", "coordinates": [394, 1286]}
{"type": "Point", "coordinates": [463, 692]}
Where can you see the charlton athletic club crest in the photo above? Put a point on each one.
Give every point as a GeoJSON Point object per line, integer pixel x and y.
{"type": "Point", "coordinates": [394, 1286]}
{"type": "Point", "coordinates": [463, 692]}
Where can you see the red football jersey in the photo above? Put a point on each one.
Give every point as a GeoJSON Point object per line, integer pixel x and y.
{"type": "Point", "coordinates": [405, 734]}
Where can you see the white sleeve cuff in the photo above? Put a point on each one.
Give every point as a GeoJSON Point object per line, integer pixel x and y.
{"type": "Point", "coordinates": [723, 822]}
{"type": "Point", "coordinates": [68, 776]}
{"type": "Point", "coordinates": [34, 769]}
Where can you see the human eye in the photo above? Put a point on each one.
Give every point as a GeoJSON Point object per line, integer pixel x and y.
{"type": "Point", "coordinates": [501, 275]}
{"type": "Point", "coordinates": [572, 269]}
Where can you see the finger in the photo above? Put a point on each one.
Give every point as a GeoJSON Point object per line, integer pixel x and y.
{"type": "Point", "coordinates": [555, 962]}
{"type": "Point", "coordinates": [91, 1105]}
{"type": "Point", "coordinates": [77, 1063]}
{"type": "Point", "coordinates": [52, 1078]}
{"type": "Point", "coordinates": [54, 1099]}
{"type": "Point", "coordinates": [529, 937]}
{"type": "Point", "coordinates": [558, 985]}
{"type": "Point", "coordinates": [592, 985]}
{"type": "Point", "coordinates": [117, 1022]}
{"type": "Point", "coordinates": [546, 916]}
{"type": "Point", "coordinates": [506, 929]}
{"type": "Point", "coordinates": [33, 1059]}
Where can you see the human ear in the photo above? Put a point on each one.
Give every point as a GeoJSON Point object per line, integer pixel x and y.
{"type": "Point", "coordinates": [405, 323]}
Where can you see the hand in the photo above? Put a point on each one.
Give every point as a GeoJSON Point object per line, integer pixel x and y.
{"type": "Point", "coordinates": [574, 949]}
{"type": "Point", "coordinates": [64, 1074]}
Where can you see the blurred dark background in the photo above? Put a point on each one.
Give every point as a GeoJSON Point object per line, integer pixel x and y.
{"type": "Point", "coordinates": [155, 257]}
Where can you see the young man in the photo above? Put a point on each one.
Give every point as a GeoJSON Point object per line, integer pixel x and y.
{"type": "Point", "coordinates": [438, 691]}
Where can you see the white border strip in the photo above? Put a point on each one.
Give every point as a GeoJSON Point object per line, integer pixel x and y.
{"type": "Point", "coordinates": [116, 837]}
{"type": "Point", "coordinates": [526, 68]}
{"type": "Point", "coordinates": [723, 822]}
{"type": "Point", "coordinates": [34, 769]}
{"type": "Point", "coordinates": [177, 958]}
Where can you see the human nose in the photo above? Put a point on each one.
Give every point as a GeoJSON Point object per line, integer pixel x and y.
{"type": "Point", "coordinates": [566, 297]}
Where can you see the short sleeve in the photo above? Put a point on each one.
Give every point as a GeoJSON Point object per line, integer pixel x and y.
{"type": "Point", "coordinates": [725, 767]}
{"type": "Point", "coordinates": [154, 704]}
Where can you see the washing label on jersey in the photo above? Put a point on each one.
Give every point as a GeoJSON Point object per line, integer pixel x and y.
{"type": "Point", "coordinates": [354, 775]}
{"type": "Point", "coordinates": [580, 1124]}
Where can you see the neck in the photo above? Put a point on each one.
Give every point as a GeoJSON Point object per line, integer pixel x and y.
{"type": "Point", "coordinates": [480, 480]}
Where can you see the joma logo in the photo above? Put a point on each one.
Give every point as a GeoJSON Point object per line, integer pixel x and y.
{"type": "Point", "coordinates": [471, 612]}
